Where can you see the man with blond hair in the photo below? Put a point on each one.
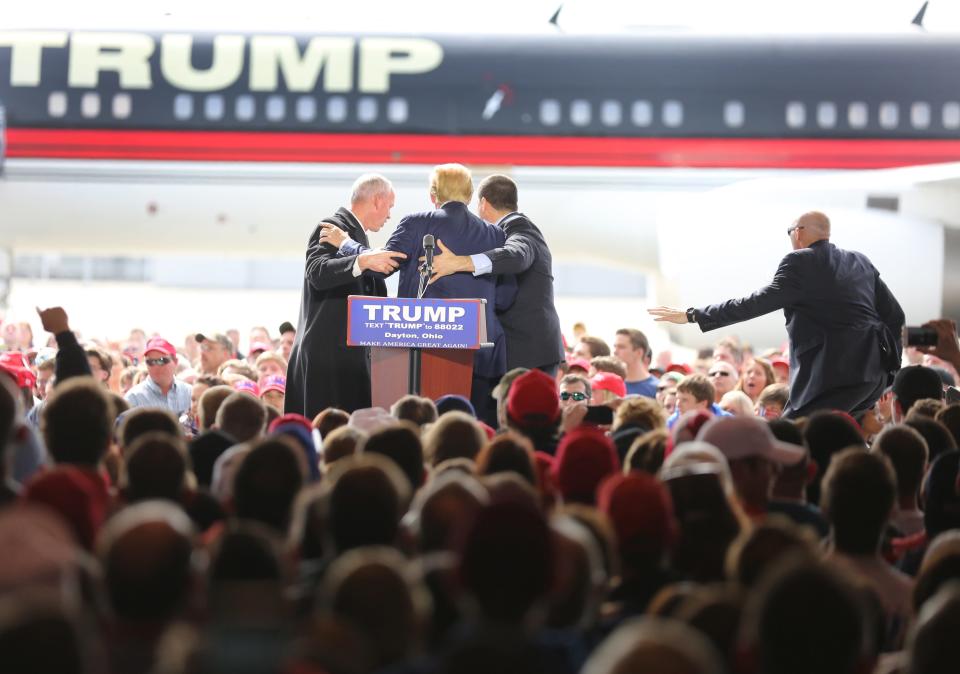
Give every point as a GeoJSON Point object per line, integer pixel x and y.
{"type": "Point", "coordinates": [531, 324]}
{"type": "Point", "coordinates": [323, 371]}
{"type": "Point", "coordinates": [843, 322]}
{"type": "Point", "coordinates": [451, 188]}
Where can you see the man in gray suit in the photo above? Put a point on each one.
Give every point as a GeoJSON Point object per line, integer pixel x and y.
{"type": "Point", "coordinates": [843, 322]}
{"type": "Point", "coordinates": [531, 324]}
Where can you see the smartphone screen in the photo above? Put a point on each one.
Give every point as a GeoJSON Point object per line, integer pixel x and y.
{"type": "Point", "coordinates": [599, 414]}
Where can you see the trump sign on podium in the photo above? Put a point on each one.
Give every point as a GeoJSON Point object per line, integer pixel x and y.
{"type": "Point", "coordinates": [415, 323]}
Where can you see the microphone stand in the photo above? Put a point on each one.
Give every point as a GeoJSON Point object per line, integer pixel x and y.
{"type": "Point", "coordinates": [426, 271]}
{"type": "Point", "coordinates": [416, 356]}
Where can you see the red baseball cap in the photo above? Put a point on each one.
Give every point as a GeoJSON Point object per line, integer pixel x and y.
{"type": "Point", "coordinates": [260, 347]}
{"type": "Point", "coordinates": [582, 363]}
{"type": "Point", "coordinates": [274, 383]}
{"type": "Point", "coordinates": [247, 386]}
{"type": "Point", "coordinates": [15, 365]}
{"type": "Point", "coordinates": [682, 368]}
{"type": "Point", "coordinates": [291, 418]}
{"type": "Point", "coordinates": [585, 456]}
{"type": "Point", "coordinates": [161, 345]}
{"type": "Point", "coordinates": [780, 360]}
{"type": "Point", "coordinates": [608, 381]}
{"type": "Point", "coordinates": [641, 510]}
{"type": "Point", "coordinates": [532, 395]}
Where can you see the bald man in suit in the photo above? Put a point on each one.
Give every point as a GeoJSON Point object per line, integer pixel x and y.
{"type": "Point", "coordinates": [843, 322]}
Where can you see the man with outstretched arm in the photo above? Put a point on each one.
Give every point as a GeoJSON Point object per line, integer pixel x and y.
{"type": "Point", "coordinates": [843, 322]}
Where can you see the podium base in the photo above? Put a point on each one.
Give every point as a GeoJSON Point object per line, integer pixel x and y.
{"type": "Point", "coordinates": [441, 371]}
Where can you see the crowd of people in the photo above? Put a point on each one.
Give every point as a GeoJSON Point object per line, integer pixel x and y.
{"type": "Point", "coordinates": [161, 514]}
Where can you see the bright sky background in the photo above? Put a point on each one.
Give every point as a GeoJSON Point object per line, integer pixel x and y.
{"type": "Point", "coordinates": [485, 16]}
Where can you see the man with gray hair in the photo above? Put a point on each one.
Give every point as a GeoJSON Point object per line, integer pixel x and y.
{"type": "Point", "coordinates": [843, 322]}
{"type": "Point", "coordinates": [323, 371]}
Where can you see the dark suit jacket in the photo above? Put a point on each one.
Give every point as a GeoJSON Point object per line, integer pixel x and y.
{"type": "Point", "coordinates": [844, 323]}
{"type": "Point", "coordinates": [531, 323]}
{"type": "Point", "coordinates": [465, 233]}
{"type": "Point", "coordinates": [324, 371]}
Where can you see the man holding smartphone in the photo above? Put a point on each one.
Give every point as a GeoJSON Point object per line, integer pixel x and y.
{"type": "Point", "coordinates": [843, 322]}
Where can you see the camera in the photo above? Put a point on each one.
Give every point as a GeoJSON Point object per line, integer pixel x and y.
{"type": "Point", "coordinates": [920, 336]}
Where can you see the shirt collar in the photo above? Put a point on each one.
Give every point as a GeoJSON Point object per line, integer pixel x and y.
{"type": "Point", "coordinates": [510, 214]}
{"type": "Point", "coordinates": [356, 219]}
{"type": "Point", "coordinates": [155, 387]}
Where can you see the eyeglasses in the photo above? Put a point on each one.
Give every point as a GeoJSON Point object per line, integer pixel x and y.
{"type": "Point", "coordinates": [153, 362]}
{"type": "Point", "coordinates": [719, 373]}
{"type": "Point", "coordinates": [791, 230]}
{"type": "Point", "coordinates": [576, 395]}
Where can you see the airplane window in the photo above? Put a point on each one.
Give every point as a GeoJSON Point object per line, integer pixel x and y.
{"type": "Point", "coordinates": [245, 108]}
{"type": "Point", "coordinates": [733, 113]}
{"type": "Point", "coordinates": [826, 115]}
{"type": "Point", "coordinates": [183, 106]}
{"type": "Point", "coordinates": [580, 112]}
{"type": "Point", "coordinates": [90, 104]}
{"type": "Point", "coordinates": [336, 109]}
{"type": "Point", "coordinates": [951, 115]}
{"type": "Point", "coordinates": [858, 115]}
{"type": "Point", "coordinates": [57, 104]}
{"type": "Point", "coordinates": [920, 115]}
{"type": "Point", "coordinates": [889, 115]}
{"type": "Point", "coordinates": [642, 113]}
{"type": "Point", "coordinates": [796, 114]}
{"type": "Point", "coordinates": [611, 113]}
{"type": "Point", "coordinates": [397, 110]}
{"type": "Point", "coordinates": [672, 113]}
{"type": "Point", "coordinates": [213, 107]}
{"type": "Point", "coordinates": [306, 109]}
{"type": "Point", "coordinates": [122, 106]}
{"type": "Point", "coordinates": [550, 112]}
{"type": "Point", "coordinates": [367, 109]}
{"type": "Point", "coordinates": [276, 108]}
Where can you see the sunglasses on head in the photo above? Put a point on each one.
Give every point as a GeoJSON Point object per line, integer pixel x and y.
{"type": "Point", "coordinates": [576, 395]}
{"type": "Point", "coordinates": [163, 360]}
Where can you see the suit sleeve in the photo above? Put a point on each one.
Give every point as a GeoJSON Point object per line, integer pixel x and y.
{"type": "Point", "coordinates": [401, 241]}
{"type": "Point", "coordinates": [890, 312]}
{"type": "Point", "coordinates": [351, 248]}
{"type": "Point", "coordinates": [516, 254]}
{"type": "Point", "coordinates": [784, 290]}
{"type": "Point", "coordinates": [506, 293]}
{"type": "Point", "coordinates": [71, 358]}
{"type": "Point", "coordinates": [324, 268]}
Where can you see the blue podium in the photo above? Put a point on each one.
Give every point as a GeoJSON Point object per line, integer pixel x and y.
{"type": "Point", "coordinates": [419, 346]}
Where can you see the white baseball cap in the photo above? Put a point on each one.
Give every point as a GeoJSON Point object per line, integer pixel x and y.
{"type": "Point", "coordinates": [743, 437]}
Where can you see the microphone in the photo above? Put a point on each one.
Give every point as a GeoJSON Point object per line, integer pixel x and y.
{"type": "Point", "coordinates": [428, 247]}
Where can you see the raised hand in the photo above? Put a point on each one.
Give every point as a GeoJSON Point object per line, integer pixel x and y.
{"type": "Point", "coordinates": [947, 347]}
{"type": "Point", "coordinates": [54, 320]}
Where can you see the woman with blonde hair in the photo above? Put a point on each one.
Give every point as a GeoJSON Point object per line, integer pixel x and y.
{"type": "Point", "coordinates": [756, 375]}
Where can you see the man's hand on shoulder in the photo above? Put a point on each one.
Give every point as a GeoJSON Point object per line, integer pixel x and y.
{"type": "Point", "coordinates": [332, 234]}
{"type": "Point", "coordinates": [669, 314]}
{"type": "Point", "coordinates": [383, 261]}
{"type": "Point", "coordinates": [448, 262]}
{"type": "Point", "coordinates": [54, 320]}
